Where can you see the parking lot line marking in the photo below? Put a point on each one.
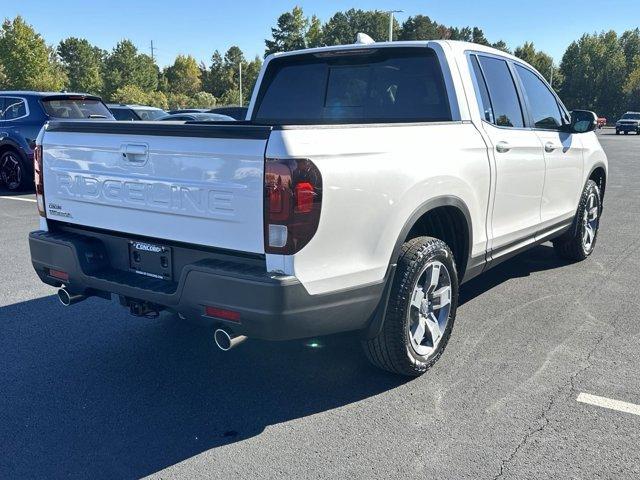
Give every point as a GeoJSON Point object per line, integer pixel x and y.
{"type": "Point", "coordinates": [609, 403]}
{"type": "Point", "coordinates": [22, 199]}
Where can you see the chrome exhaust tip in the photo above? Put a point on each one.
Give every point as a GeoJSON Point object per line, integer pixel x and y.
{"type": "Point", "coordinates": [67, 298]}
{"type": "Point", "coordinates": [226, 340]}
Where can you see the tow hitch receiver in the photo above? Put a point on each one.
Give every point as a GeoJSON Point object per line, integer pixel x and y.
{"type": "Point", "coordinates": [140, 308]}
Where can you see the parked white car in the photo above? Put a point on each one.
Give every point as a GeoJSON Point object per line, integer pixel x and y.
{"type": "Point", "coordinates": [369, 183]}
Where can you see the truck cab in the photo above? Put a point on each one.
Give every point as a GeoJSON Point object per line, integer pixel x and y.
{"type": "Point", "coordinates": [368, 182]}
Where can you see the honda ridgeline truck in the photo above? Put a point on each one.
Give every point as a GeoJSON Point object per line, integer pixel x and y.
{"type": "Point", "coordinates": [367, 183]}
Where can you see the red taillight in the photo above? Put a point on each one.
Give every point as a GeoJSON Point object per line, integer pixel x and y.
{"type": "Point", "coordinates": [293, 197]}
{"type": "Point", "coordinates": [304, 197]}
{"type": "Point", "coordinates": [222, 313]}
{"type": "Point", "coordinates": [39, 179]}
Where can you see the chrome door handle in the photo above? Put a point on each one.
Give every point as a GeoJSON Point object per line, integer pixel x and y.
{"type": "Point", "coordinates": [502, 147]}
{"type": "Point", "coordinates": [549, 147]}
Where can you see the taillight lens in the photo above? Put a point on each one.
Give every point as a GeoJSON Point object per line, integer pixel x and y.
{"type": "Point", "coordinates": [39, 179]}
{"type": "Point", "coordinates": [293, 198]}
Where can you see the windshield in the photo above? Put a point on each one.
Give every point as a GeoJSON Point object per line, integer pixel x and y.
{"type": "Point", "coordinates": [75, 108]}
{"type": "Point", "coordinates": [631, 116]}
{"type": "Point", "coordinates": [150, 114]}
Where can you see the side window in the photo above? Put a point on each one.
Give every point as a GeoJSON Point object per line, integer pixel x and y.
{"type": "Point", "coordinates": [482, 94]}
{"type": "Point", "coordinates": [123, 114]}
{"type": "Point", "coordinates": [14, 108]}
{"type": "Point", "coordinates": [507, 110]}
{"type": "Point", "coordinates": [543, 104]}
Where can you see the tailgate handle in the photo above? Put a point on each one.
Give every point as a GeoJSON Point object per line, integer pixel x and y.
{"type": "Point", "coordinates": [135, 153]}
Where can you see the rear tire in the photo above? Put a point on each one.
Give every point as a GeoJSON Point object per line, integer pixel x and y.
{"type": "Point", "coordinates": [579, 242]}
{"type": "Point", "coordinates": [421, 309]}
{"type": "Point", "coordinates": [12, 171]}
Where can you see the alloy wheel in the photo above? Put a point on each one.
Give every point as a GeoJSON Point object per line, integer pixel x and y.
{"type": "Point", "coordinates": [429, 309]}
{"type": "Point", "coordinates": [590, 221]}
{"type": "Point", "coordinates": [11, 171]}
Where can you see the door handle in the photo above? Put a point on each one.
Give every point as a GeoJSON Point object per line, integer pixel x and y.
{"type": "Point", "coordinates": [135, 153]}
{"type": "Point", "coordinates": [502, 147]}
{"type": "Point", "coordinates": [549, 147]}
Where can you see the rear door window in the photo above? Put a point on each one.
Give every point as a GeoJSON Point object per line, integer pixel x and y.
{"type": "Point", "coordinates": [14, 108]}
{"type": "Point", "coordinates": [542, 103]}
{"type": "Point", "coordinates": [507, 110]}
{"type": "Point", "coordinates": [370, 86]}
{"type": "Point", "coordinates": [482, 94]}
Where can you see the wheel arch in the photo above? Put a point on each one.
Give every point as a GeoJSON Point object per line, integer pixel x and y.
{"type": "Point", "coordinates": [9, 144]}
{"type": "Point", "coordinates": [424, 222]}
{"type": "Point", "coordinates": [446, 218]}
{"type": "Point", "coordinates": [598, 174]}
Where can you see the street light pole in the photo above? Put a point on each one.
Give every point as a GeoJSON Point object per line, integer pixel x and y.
{"type": "Point", "coordinates": [241, 101]}
{"type": "Point", "coordinates": [391, 12]}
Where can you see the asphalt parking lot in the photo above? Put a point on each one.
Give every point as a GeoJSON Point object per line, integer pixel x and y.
{"type": "Point", "coordinates": [90, 392]}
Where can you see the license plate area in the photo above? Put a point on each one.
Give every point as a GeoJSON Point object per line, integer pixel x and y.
{"type": "Point", "coordinates": [150, 260]}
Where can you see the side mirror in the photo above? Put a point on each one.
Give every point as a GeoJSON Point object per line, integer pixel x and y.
{"type": "Point", "coordinates": [583, 121]}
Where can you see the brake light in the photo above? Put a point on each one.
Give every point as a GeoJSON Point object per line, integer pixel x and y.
{"type": "Point", "coordinates": [39, 179]}
{"type": "Point", "coordinates": [292, 203]}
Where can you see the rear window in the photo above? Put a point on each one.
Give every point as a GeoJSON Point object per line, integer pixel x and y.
{"type": "Point", "coordinates": [75, 108]}
{"type": "Point", "coordinates": [371, 86]}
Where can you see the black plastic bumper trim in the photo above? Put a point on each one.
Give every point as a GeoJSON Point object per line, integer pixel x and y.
{"type": "Point", "coordinates": [270, 307]}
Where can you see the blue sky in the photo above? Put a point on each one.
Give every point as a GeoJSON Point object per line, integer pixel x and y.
{"type": "Point", "coordinates": [199, 27]}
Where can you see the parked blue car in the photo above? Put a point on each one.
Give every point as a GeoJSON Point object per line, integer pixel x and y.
{"type": "Point", "coordinates": [22, 115]}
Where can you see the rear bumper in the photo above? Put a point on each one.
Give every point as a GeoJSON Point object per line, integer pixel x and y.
{"type": "Point", "coordinates": [270, 307]}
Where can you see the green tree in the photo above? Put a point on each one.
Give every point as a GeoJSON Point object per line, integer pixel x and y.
{"type": "Point", "coordinates": [421, 27]}
{"type": "Point", "coordinates": [342, 28]}
{"type": "Point", "coordinates": [594, 73]}
{"type": "Point", "coordinates": [27, 62]}
{"type": "Point", "coordinates": [3, 77]}
{"type": "Point", "coordinates": [538, 60]}
{"type": "Point", "coordinates": [132, 94]}
{"type": "Point", "coordinates": [464, 34]}
{"type": "Point", "coordinates": [477, 36]}
{"type": "Point", "coordinates": [314, 34]}
{"type": "Point", "coordinates": [184, 76]}
{"type": "Point", "coordinates": [290, 32]}
{"type": "Point", "coordinates": [223, 77]}
{"type": "Point", "coordinates": [203, 100]}
{"type": "Point", "coordinates": [125, 66]}
{"type": "Point", "coordinates": [82, 63]}
{"type": "Point", "coordinates": [178, 100]}
{"type": "Point", "coordinates": [216, 80]}
{"type": "Point", "coordinates": [630, 43]}
{"type": "Point", "coordinates": [158, 99]}
{"type": "Point", "coordinates": [501, 45]}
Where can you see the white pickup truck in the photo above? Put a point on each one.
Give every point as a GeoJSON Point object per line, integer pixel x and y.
{"type": "Point", "coordinates": [367, 183]}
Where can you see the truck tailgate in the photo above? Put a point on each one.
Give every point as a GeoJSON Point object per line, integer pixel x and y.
{"type": "Point", "coordinates": [193, 183]}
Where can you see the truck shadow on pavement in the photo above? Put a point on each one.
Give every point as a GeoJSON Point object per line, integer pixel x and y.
{"type": "Point", "coordinates": [89, 392]}
{"type": "Point", "coordinates": [538, 259]}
